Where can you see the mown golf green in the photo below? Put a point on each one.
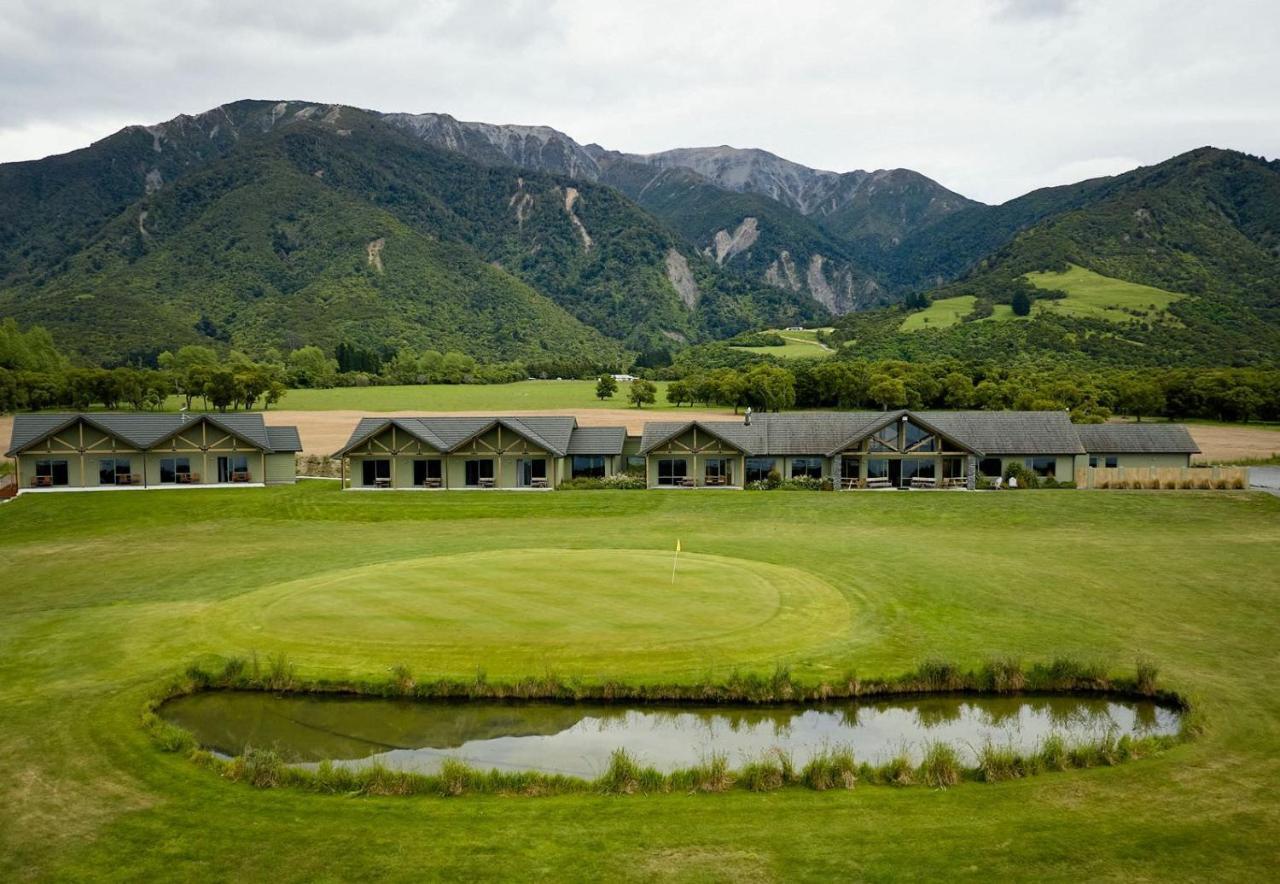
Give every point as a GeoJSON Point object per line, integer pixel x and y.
{"type": "Point", "coordinates": [106, 596]}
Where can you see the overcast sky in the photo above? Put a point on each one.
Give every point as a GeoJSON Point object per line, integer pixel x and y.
{"type": "Point", "coordinates": [991, 97]}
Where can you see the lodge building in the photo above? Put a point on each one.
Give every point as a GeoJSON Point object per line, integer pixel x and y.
{"type": "Point", "coordinates": [123, 450]}
{"type": "Point", "coordinates": [850, 450]}
{"type": "Point", "coordinates": [894, 449]}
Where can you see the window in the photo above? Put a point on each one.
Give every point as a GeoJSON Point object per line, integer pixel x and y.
{"type": "Point", "coordinates": [1112, 461]}
{"type": "Point", "coordinates": [810, 467]}
{"type": "Point", "coordinates": [878, 468]}
{"type": "Point", "coordinates": [849, 468]}
{"type": "Point", "coordinates": [175, 469]}
{"type": "Point", "coordinates": [953, 467]}
{"type": "Point", "coordinates": [759, 468]}
{"type": "Point", "coordinates": [673, 471]}
{"type": "Point", "coordinates": [588, 466]}
{"type": "Point", "coordinates": [373, 470]}
{"type": "Point", "coordinates": [529, 469]}
{"type": "Point", "coordinates": [885, 439]}
{"type": "Point", "coordinates": [233, 468]}
{"type": "Point", "coordinates": [989, 466]}
{"type": "Point", "coordinates": [1093, 460]}
{"type": "Point", "coordinates": [51, 472]}
{"type": "Point", "coordinates": [635, 465]}
{"type": "Point", "coordinates": [719, 471]}
{"type": "Point", "coordinates": [916, 468]}
{"type": "Point", "coordinates": [477, 470]}
{"type": "Point", "coordinates": [1042, 466]}
{"type": "Point", "coordinates": [427, 469]}
{"type": "Point", "coordinates": [111, 469]}
{"type": "Point", "coordinates": [919, 439]}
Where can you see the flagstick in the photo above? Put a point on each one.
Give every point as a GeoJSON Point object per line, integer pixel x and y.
{"type": "Point", "coordinates": [674, 561]}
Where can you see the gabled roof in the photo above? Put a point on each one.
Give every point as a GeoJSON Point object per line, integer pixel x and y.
{"type": "Point", "coordinates": [747, 439]}
{"type": "Point", "coordinates": [445, 434]}
{"type": "Point", "coordinates": [1137, 439]}
{"type": "Point", "coordinates": [597, 440]}
{"type": "Point", "coordinates": [143, 430]}
{"type": "Point", "coordinates": [884, 419]}
{"type": "Point", "coordinates": [1009, 432]}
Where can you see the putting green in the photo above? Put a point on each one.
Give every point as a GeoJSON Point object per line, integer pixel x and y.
{"type": "Point", "coordinates": [596, 611]}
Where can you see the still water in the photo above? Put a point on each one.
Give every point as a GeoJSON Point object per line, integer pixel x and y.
{"type": "Point", "coordinates": [578, 738]}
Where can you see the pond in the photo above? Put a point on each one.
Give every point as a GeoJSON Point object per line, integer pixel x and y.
{"type": "Point", "coordinates": [578, 738]}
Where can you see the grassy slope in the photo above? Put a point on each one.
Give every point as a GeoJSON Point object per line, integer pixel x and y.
{"type": "Point", "coordinates": [107, 594]}
{"type": "Point", "coordinates": [1091, 294]}
{"type": "Point", "coordinates": [799, 345]}
{"type": "Point", "coordinates": [942, 313]}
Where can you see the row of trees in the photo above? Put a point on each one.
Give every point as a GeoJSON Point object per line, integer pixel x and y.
{"type": "Point", "coordinates": [1222, 394]}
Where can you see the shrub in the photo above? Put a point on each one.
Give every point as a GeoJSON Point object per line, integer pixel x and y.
{"type": "Point", "coordinates": [262, 768]}
{"type": "Point", "coordinates": [939, 675]}
{"type": "Point", "coordinates": [772, 771]}
{"type": "Point", "coordinates": [996, 763]}
{"type": "Point", "coordinates": [830, 769]}
{"type": "Point", "coordinates": [898, 771]}
{"type": "Point", "coordinates": [402, 679]}
{"type": "Point", "coordinates": [1147, 671]}
{"type": "Point", "coordinates": [615, 482]}
{"type": "Point", "coordinates": [281, 674]}
{"type": "Point", "coordinates": [1003, 675]}
{"type": "Point", "coordinates": [804, 483]}
{"type": "Point", "coordinates": [1053, 753]}
{"type": "Point", "coordinates": [940, 768]}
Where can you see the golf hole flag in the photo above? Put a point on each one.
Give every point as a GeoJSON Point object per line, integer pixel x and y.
{"type": "Point", "coordinates": [675, 561]}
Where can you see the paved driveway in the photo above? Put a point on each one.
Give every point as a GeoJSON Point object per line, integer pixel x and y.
{"type": "Point", "coordinates": [1265, 478]}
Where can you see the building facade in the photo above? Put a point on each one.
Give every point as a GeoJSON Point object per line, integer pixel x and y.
{"type": "Point", "coordinates": [117, 450]}
{"type": "Point", "coordinates": [894, 449]}
{"type": "Point", "coordinates": [533, 453]}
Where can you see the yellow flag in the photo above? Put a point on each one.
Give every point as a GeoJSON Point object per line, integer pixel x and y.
{"type": "Point", "coordinates": [677, 546]}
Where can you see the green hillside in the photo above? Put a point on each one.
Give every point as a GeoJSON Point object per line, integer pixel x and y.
{"type": "Point", "coordinates": [1176, 264]}
{"type": "Point", "coordinates": [319, 225]}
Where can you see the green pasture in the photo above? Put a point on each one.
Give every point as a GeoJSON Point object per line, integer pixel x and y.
{"type": "Point", "coordinates": [497, 398]}
{"type": "Point", "coordinates": [105, 596]}
{"type": "Point", "coordinates": [799, 345]}
{"type": "Point", "coordinates": [1094, 296]}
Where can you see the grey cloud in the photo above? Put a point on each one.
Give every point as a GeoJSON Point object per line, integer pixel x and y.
{"type": "Point", "coordinates": [990, 98]}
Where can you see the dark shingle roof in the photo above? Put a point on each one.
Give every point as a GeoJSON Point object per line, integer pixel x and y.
{"type": "Point", "coordinates": [144, 429]}
{"type": "Point", "coordinates": [552, 432]}
{"type": "Point", "coordinates": [284, 438]}
{"type": "Point", "coordinates": [597, 440]}
{"type": "Point", "coordinates": [1009, 432]}
{"type": "Point", "coordinates": [748, 439]}
{"type": "Point", "coordinates": [1137, 438]}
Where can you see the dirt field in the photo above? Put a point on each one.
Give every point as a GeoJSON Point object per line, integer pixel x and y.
{"type": "Point", "coordinates": [324, 432]}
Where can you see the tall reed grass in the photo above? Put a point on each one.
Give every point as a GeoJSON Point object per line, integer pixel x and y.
{"type": "Point", "coordinates": [831, 768]}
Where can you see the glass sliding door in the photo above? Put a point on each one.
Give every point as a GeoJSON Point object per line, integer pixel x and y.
{"type": "Point", "coordinates": [479, 473]}
{"type": "Point", "coordinates": [51, 473]}
{"type": "Point", "coordinates": [233, 468]}
{"type": "Point", "coordinates": [532, 472]}
{"type": "Point", "coordinates": [175, 470]}
{"type": "Point", "coordinates": [672, 471]}
{"type": "Point", "coordinates": [375, 473]}
{"type": "Point", "coordinates": [428, 473]}
{"type": "Point", "coordinates": [718, 471]}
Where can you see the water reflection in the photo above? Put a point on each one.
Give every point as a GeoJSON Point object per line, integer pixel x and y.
{"type": "Point", "coordinates": [578, 739]}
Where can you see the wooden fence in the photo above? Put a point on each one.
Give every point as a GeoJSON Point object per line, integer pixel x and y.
{"type": "Point", "coordinates": [1163, 477]}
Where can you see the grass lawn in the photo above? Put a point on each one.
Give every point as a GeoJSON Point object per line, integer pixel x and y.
{"type": "Point", "coordinates": [1092, 295]}
{"type": "Point", "coordinates": [939, 314]}
{"type": "Point", "coordinates": [106, 595]}
{"type": "Point", "coordinates": [799, 345]}
{"type": "Point", "coordinates": [1089, 295]}
{"type": "Point", "coordinates": [498, 398]}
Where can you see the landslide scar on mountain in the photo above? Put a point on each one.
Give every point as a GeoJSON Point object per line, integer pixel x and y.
{"type": "Point", "coordinates": [374, 251]}
{"type": "Point", "coordinates": [681, 278]}
{"type": "Point", "coordinates": [571, 199]}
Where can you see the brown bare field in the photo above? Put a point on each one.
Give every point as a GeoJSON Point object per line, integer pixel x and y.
{"type": "Point", "coordinates": [324, 432]}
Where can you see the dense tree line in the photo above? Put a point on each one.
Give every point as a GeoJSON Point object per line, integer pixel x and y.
{"type": "Point", "coordinates": [1228, 394]}
{"type": "Point", "coordinates": [35, 375]}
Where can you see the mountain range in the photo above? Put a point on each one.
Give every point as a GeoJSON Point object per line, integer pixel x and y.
{"type": "Point", "coordinates": [273, 224]}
